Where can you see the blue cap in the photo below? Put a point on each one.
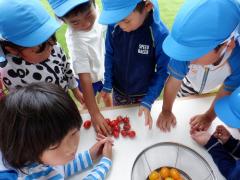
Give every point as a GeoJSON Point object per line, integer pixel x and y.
{"type": "Point", "coordinates": [62, 7]}
{"type": "Point", "coordinates": [25, 22]}
{"type": "Point", "coordinates": [200, 26]}
{"type": "Point", "coordinates": [116, 10]}
{"type": "Point", "coordinates": [228, 109]}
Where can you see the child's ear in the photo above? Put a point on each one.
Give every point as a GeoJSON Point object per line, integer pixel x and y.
{"type": "Point", "coordinates": [231, 45]}
{"type": "Point", "coordinates": [12, 51]}
{"type": "Point", "coordinates": [149, 6]}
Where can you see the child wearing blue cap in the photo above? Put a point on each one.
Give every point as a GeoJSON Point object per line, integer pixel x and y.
{"type": "Point", "coordinates": [135, 65]}
{"type": "Point", "coordinates": [39, 137]}
{"type": "Point", "coordinates": [85, 39]}
{"type": "Point", "coordinates": [224, 149]}
{"type": "Point", "coordinates": [30, 49]}
{"type": "Point", "coordinates": [205, 55]}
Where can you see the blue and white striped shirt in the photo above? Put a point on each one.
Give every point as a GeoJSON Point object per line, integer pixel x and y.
{"type": "Point", "coordinates": [37, 171]}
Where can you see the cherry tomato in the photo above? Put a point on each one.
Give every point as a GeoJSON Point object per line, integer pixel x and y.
{"type": "Point", "coordinates": [154, 176]}
{"type": "Point", "coordinates": [124, 133]}
{"type": "Point", "coordinates": [127, 127]}
{"type": "Point", "coordinates": [108, 121]}
{"type": "Point", "coordinates": [115, 123]}
{"type": "Point", "coordinates": [87, 124]}
{"type": "Point", "coordinates": [164, 172]}
{"type": "Point", "coordinates": [116, 128]}
{"type": "Point", "coordinates": [119, 119]}
{"type": "Point", "coordinates": [131, 134]}
{"type": "Point", "coordinates": [126, 120]}
{"type": "Point", "coordinates": [116, 134]}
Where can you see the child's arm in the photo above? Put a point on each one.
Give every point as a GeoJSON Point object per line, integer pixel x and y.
{"type": "Point", "coordinates": [107, 87]}
{"type": "Point", "coordinates": [97, 118]}
{"type": "Point", "coordinates": [224, 161]}
{"type": "Point", "coordinates": [160, 76]}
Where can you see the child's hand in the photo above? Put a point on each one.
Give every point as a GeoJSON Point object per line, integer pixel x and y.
{"type": "Point", "coordinates": [107, 98]}
{"type": "Point", "coordinates": [97, 149]}
{"type": "Point", "coordinates": [201, 122]}
{"type": "Point", "coordinates": [165, 120]}
{"type": "Point", "coordinates": [107, 150]}
{"type": "Point", "coordinates": [78, 95]}
{"type": "Point", "coordinates": [147, 114]}
{"type": "Point", "coordinates": [222, 134]}
{"type": "Point", "coordinates": [100, 125]}
{"type": "Point", "coordinates": [201, 137]}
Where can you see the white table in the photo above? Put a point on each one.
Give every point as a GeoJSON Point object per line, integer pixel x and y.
{"type": "Point", "coordinates": [126, 150]}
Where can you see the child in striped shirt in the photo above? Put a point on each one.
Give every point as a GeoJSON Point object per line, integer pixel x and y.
{"type": "Point", "coordinates": [39, 137]}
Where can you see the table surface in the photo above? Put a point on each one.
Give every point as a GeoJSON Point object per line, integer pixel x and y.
{"type": "Point", "coordinates": [126, 150]}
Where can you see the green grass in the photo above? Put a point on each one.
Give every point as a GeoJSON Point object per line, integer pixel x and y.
{"type": "Point", "coordinates": [168, 9]}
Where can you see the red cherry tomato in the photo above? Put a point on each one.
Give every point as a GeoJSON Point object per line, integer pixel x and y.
{"type": "Point", "coordinates": [114, 123]}
{"type": "Point", "coordinates": [131, 134]}
{"type": "Point", "coordinates": [127, 127]}
{"type": "Point", "coordinates": [108, 121]}
{"type": "Point", "coordinates": [116, 134]}
{"type": "Point", "coordinates": [126, 120]}
{"type": "Point", "coordinates": [119, 119]}
{"type": "Point", "coordinates": [116, 128]}
{"type": "Point", "coordinates": [87, 124]}
{"type": "Point", "coordinates": [124, 133]}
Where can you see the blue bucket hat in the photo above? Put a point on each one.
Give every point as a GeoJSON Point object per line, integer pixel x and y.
{"type": "Point", "coordinates": [116, 10]}
{"type": "Point", "coordinates": [62, 7]}
{"type": "Point", "coordinates": [25, 22]}
{"type": "Point", "coordinates": [228, 109]}
{"type": "Point", "coordinates": [200, 26]}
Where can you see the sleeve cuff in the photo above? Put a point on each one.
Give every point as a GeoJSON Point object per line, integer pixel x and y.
{"type": "Point", "coordinates": [108, 90]}
{"type": "Point", "coordinates": [146, 105]}
{"type": "Point", "coordinates": [175, 74]}
{"type": "Point", "coordinates": [211, 143]}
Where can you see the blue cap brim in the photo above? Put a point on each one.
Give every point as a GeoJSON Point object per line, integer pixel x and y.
{"type": "Point", "coordinates": [225, 114]}
{"type": "Point", "coordinates": [180, 52]}
{"type": "Point", "coordinates": [67, 6]}
{"type": "Point", "coordinates": [115, 16]}
{"type": "Point", "coordinates": [40, 35]}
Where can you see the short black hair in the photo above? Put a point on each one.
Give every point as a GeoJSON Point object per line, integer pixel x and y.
{"type": "Point", "coordinates": [140, 6]}
{"type": "Point", "coordinates": [4, 43]}
{"type": "Point", "coordinates": [34, 118]}
{"type": "Point", "coordinates": [81, 8]}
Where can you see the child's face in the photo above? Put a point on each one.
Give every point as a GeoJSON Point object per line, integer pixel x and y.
{"type": "Point", "coordinates": [82, 21]}
{"type": "Point", "coordinates": [214, 57]}
{"type": "Point", "coordinates": [64, 152]}
{"type": "Point", "coordinates": [35, 54]}
{"type": "Point", "coordinates": [135, 19]}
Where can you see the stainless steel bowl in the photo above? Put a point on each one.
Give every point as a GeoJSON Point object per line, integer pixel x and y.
{"type": "Point", "coordinates": [190, 164]}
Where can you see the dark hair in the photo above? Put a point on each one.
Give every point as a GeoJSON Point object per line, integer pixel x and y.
{"type": "Point", "coordinates": [140, 6]}
{"type": "Point", "coordinates": [33, 118]}
{"type": "Point", "coordinates": [3, 43]}
{"type": "Point", "coordinates": [81, 8]}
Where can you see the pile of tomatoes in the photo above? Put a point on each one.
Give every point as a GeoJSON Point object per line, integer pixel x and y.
{"type": "Point", "coordinates": [120, 125]}
{"type": "Point", "coordinates": [165, 174]}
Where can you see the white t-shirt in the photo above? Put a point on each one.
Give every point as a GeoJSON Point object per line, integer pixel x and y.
{"type": "Point", "coordinates": [87, 49]}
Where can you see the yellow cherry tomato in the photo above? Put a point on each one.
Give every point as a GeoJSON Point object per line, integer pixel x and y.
{"type": "Point", "coordinates": [169, 178]}
{"type": "Point", "coordinates": [154, 176]}
{"type": "Point", "coordinates": [164, 172]}
{"type": "Point", "coordinates": [174, 174]}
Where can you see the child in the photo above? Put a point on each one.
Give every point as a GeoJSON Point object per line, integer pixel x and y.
{"type": "Point", "coordinates": [135, 65]}
{"type": "Point", "coordinates": [203, 49]}
{"type": "Point", "coordinates": [224, 149]}
{"type": "Point", "coordinates": [39, 136]}
{"type": "Point", "coordinates": [30, 48]}
{"type": "Point", "coordinates": [85, 39]}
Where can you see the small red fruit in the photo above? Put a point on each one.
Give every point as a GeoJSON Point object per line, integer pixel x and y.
{"type": "Point", "coordinates": [116, 128]}
{"type": "Point", "coordinates": [108, 121]}
{"type": "Point", "coordinates": [124, 133]}
{"type": "Point", "coordinates": [126, 120]}
{"type": "Point", "coordinates": [116, 134]}
{"type": "Point", "coordinates": [87, 124]}
{"type": "Point", "coordinates": [127, 127]}
{"type": "Point", "coordinates": [131, 134]}
{"type": "Point", "coordinates": [119, 119]}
